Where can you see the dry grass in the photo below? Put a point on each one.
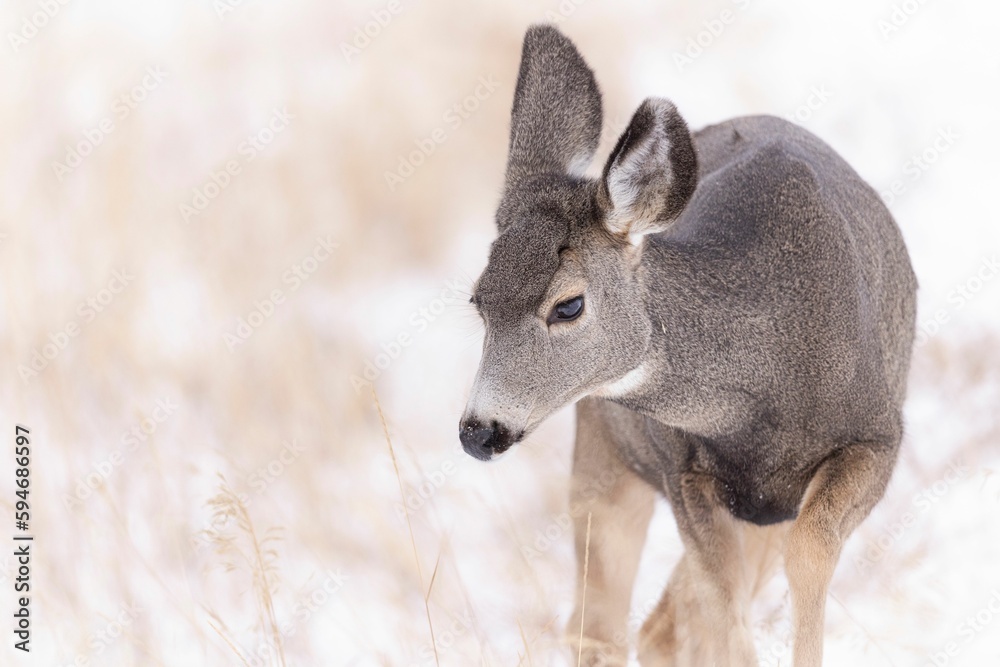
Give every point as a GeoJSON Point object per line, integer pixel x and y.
{"type": "Point", "coordinates": [126, 520]}
{"type": "Point", "coordinates": [583, 599]}
{"type": "Point", "coordinates": [409, 527]}
{"type": "Point", "coordinates": [235, 541]}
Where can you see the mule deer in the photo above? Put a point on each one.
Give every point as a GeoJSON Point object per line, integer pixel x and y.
{"type": "Point", "coordinates": [733, 310]}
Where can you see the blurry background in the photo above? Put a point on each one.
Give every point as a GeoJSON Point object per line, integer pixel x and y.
{"type": "Point", "coordinates": [220, 218]}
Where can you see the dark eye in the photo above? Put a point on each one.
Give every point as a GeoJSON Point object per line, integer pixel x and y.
{"type": "Point", "coordinates": [567, 311]}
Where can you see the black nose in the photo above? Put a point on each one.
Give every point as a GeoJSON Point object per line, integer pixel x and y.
{"type": "Point", "coordinates": [483, 440]}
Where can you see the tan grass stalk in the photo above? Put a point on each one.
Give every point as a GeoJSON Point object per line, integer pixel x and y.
{"type": "Point", "coordinates": [260, 559]}
{"type": "Point", "coordinates": [409, 525]}
{"type": "Point", "coordinates": [583, 603]}
{"type": "Point", "coordinates": [232, 645]}
{"type": "Point", "coordinates": [524, 640]}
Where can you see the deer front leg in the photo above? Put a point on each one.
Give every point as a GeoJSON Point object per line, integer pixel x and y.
{"type": "Point", "coordinates": [841, 494]}
{"type": "Point", "coordinates": [702, 618]}
{"type": "Point", "coordinates": [676, 628]}
{"type": "Point", "coordinates": [671, 635]}
{"type": "Point", "coordinates": [620, 505]}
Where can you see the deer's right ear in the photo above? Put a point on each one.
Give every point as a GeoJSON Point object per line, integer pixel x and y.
{"type": "Point", "coordinates": [556, 119]}
{"type": "Point", "coordinates": [651, 174]}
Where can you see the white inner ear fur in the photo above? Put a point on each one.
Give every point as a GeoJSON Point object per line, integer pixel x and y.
{"type": "Point", "coordinates": [639, 184]}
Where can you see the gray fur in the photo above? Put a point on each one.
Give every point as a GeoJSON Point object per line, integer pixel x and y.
{"type": "Point", "coordinates": [762, 321]}
{"type": "Point", "coordinates": [556, 119]}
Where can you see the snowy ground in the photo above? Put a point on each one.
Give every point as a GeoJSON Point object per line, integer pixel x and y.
{"type": "Point", "coordinates": [246, 140]}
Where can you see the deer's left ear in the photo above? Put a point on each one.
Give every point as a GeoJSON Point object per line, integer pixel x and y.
{"type": "Point", "coordinates": [652, 172]}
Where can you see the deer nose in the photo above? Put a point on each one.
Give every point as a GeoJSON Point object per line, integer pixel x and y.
{"type": "Point", "coordinates": [482, 440]}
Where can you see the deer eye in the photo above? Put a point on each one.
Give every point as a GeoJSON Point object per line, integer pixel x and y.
{"type": "Point", "coordinates": [566, 311]}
